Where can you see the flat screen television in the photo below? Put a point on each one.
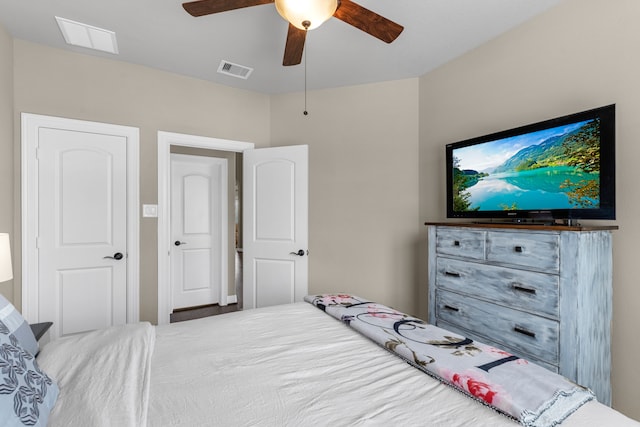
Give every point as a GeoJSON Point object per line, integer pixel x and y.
{"type": "Point", "coordinates": [559, 169]}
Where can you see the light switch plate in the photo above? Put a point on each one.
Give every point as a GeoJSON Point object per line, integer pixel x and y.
{"type": "Point", "coordinates": [150, 211]}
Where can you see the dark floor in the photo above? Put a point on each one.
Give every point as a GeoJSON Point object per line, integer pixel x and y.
{"type": "Point", "coordinates": [198, 312]}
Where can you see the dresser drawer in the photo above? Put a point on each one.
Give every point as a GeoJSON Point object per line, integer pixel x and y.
{"type": "Point", "coordinates": [538, 251]}
{"type": "Point", "coordinates": [461, 243]}
{"type": "Point", "coordinates": [515, 329]}
{"type": "Point", "coordinates": [484, 340]}
{"type": "Point", "coordinates": [526, 290]}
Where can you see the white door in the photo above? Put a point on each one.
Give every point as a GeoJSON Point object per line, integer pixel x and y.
{"type": "Point", "coordinates": [198, 229]}
{"type": "Point", "coordinates": [275, 241]}
{"type": "Point", "coordinates": [82, 230]}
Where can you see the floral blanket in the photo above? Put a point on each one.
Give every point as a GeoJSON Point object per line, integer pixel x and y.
{"type": "Point", "coordinates": [529, 393]}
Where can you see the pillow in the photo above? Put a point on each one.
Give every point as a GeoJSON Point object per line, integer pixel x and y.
{"type": "Point", "coordinates": [17, 326]}
{"type": "Point", "coordinates": [27, 394]}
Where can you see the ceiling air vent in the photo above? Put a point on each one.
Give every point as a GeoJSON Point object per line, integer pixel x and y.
{"type": "Point", "coordinates": [83, 35]}
{"type": "Point", "coordinates": [234, 70]}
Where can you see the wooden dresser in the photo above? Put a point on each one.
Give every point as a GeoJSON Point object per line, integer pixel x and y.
{"type": "Point", "coordinates": [540, 292]}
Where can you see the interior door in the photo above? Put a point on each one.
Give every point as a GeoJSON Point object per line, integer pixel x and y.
{"type": "Point", "coordinates": [275, 199]}
{"type": "Point", "coordinates": [198, 229]}
{"type": "Point", "coordinates": [82, 230]}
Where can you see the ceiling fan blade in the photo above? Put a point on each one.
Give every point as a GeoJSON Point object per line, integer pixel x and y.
{"type": "Point", "coordinates": [207, 7]}
{"type": "Point", "coordinates": [368, 21]}
{"type": "Point", "coordinates": [294, 47]}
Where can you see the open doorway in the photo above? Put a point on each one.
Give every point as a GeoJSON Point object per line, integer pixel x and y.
{"type": "Point", "coordinates": [231, 295]}
{"type": "Point", "coordinates": [206, 214]}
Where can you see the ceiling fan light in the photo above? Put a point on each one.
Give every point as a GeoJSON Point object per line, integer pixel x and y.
{"type": "Point", "coordinates": [314, 11]}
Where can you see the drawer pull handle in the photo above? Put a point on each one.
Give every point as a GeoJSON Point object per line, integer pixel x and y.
{"type": "Point", "coordinates": [448, 307]}
{"type": "Point", "coordinates": [518, 249]}
{"type": "Point", "coordinates": [456, 243]}
{"type": "Point", "coordinates": [524, 331]}
{"type": "Point", "coordinates": [521, 288]}
{"type": "Point", "coordinates": [449, 273]}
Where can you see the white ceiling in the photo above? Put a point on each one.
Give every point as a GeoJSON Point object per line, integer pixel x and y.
{"type": "Point", "coordinates": [160, 34]}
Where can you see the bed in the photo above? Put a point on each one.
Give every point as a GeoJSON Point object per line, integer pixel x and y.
{"type": "Point", "coordinates": [293, 365]}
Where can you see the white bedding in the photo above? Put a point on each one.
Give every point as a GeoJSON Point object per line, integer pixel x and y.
{"type": "Point", "coordinates": [103, 376]}
{"type": "Point", "coordinates": [274, 367]}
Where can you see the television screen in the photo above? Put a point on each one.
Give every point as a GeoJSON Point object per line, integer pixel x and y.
{"type": "Point", "coordinates": [563, 168]}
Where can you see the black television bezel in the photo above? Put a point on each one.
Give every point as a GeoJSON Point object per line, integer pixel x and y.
{"type": "Point", "coordinates": [607, 208]}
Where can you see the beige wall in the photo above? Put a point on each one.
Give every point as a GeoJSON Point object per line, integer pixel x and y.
{"type": "Point", "coordinates": [6, 146]}
{"type": "Point", "coordinates": [580, 55]}
{"type": "Point", "coordinates": [363, 168]}
{"type": "Point", "coordinates": [59, 83]}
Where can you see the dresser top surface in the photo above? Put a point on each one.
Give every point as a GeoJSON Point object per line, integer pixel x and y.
{"type": "Point", "coordinates": [529, 226]}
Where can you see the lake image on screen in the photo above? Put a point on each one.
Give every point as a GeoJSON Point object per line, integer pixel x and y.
{"type": "Point", "coordinates": [557, 168]}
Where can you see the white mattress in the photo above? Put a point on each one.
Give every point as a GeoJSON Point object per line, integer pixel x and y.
{"type": "Point", "coordinates": [296, 366]}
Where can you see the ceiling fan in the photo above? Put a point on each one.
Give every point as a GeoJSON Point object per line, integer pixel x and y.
{"type": "Point", "coordinates": [302, 20]}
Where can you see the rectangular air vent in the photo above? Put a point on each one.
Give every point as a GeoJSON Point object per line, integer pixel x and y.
{"type": "Point", "coordinates": [79, 34]}
{"type": "Point", "coordinates": [234, 70]}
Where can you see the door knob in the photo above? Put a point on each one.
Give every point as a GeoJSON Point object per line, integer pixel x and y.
{"type": "Point", "coordinates": [116, 256]}
{"type": "Point", "coordinates": [178, 243]}
{"type": "Point", "coordinates": [299, 253]}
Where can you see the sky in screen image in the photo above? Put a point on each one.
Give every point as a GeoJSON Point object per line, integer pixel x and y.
{"type": "Point", "coordinates": [491, 154]}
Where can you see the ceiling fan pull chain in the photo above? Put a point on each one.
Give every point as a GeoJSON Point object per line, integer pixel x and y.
{"type": "Point", "coordinates": [305, 83]}
{"type": "Point", "coordinates": [306, 29]}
